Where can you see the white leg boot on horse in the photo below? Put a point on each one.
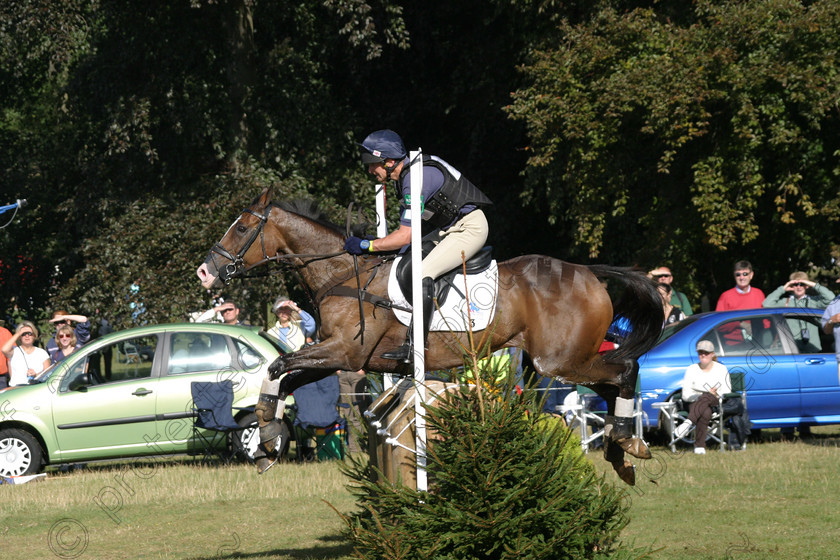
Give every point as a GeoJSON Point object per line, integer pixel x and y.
{"type": "Point", "coordinates": [270, 424]}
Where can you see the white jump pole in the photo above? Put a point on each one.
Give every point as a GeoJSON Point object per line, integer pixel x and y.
{"type": "Point", "coordinates": [382, 231]}
{"type": "Point", "coordinates": [416, 214]}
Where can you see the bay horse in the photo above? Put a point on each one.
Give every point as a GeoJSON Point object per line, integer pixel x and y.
{"type": "Point", "coordinates": [556, 312]}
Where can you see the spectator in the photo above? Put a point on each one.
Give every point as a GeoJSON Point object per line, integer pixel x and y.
{"type": "Point", "coordinates": [702, 384]}
{"type": "Point", "coordinates": [672, 313]}
{"type": "Point", "coordinates": [794, 293]}
{"type": "Point", "coordinates": [354, 400]}
{"type": "Point", "coordinates": [742, 296]}
{"type": "Point", "coordinates": [831, 325]}
{"type": "Point", "coordinates": [67, 344]}
{"type": "Point", "coordinates": [81, 328]}
{"type": "Point", "coordinates": [25, 360]}
{"type": "Point", "coordinates": [5, 335]}
{"type": "Point", "coordinates": [292, 334]}
{"type": "Point", "coordinates": [662, 274]}
{"type": "Point", "coordinates": [227, 311]}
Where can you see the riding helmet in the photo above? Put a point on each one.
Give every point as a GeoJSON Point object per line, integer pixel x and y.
{"type": "Point", "coordinates": [382, 145]}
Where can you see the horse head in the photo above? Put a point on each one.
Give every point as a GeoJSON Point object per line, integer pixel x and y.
{"type": "Point", "coordinates": [236, 252]}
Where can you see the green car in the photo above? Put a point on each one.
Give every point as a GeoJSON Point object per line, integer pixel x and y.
{"type": "Point", "coordinates": [127, 394]}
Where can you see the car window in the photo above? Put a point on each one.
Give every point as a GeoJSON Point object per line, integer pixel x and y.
{"type": "Point", "coordinates": [807, 334]}
{"type": "Point", "coordinates": [198, 352]}
{"type": "Point", "coordinates": [127, 359]}
{"type": "Point", "coordinates": [248, 357]}
{"type": "Point", "coordinates": [673, 328]}
{"type": "Point", "coordinates": [745, 336]}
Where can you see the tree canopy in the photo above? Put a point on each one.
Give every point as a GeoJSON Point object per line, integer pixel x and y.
{"type": "Point", "coordinates": [628, 132]}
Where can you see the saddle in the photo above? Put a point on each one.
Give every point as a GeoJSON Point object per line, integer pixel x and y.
{"type": "Point", "coordinates": [479, 262]}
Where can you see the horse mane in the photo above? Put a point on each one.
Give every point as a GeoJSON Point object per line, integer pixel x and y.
{"type": "Point", "coordinates": [310, 209]}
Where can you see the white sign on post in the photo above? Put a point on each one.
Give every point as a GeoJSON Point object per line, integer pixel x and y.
{"type": "Point", "coordinates": [416, 213]}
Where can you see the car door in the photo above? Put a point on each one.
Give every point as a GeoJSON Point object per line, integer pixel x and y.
{"type": "Point", "coordinates": [755, 347]}
{"type": "Point", "coordinates": [817, 366]}
{"type": "Point", "coordinates": [189, 357]}
{"type": "Point", "coordinates": [105, 402]}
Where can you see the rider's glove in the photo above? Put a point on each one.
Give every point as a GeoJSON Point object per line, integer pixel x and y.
{"type": "Point", "coordinates": [357, 245]}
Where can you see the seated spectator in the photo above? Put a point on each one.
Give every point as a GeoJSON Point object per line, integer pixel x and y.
{"type": "Point", "coordinates": [25, 359]}
{"type": "Point", "coordinates": [672, 313]}
{"type": "Point", "coordinates": [67, 343]}
{"type": "Point", "coordinates": [81, 328]}
{"type": "Point", "coordinates": [702, 385]}
{"type": "Point", "coordinates": [292, 334]}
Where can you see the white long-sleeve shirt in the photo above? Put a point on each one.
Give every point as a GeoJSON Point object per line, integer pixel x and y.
{"type": "Point", "coordinates": [696, 381]}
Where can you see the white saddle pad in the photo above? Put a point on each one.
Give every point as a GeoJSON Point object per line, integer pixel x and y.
{"type": "Point", "coordinates": [481, 288]}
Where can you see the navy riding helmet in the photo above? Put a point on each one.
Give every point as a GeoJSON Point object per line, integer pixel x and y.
{"type": "Point", "coordinates": [382, 145]}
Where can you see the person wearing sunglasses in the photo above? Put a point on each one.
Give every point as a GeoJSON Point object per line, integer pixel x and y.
{"type": "Point", "coordinates": [702, 385]}
{"type": "Point", "coordinates": [743, 295]}
{"type": "Point", "coordinates": [81, 328]}
{"type": "Point", "coordinates": [25, 359]}
{"type": "Point", "coordinates": [662, 275]}
{"type": "Point", "coordinates": [67, 343]}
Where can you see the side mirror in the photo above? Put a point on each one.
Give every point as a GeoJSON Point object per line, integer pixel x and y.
{"type": "Point", "coordinates": [81, 383]}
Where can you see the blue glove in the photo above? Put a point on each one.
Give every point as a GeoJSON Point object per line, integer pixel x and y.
{"type": "Point", "coordinates": [356, 245]}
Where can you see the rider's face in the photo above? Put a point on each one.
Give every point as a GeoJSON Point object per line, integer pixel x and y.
{"type": "Point", "coordinates": [381, 172]}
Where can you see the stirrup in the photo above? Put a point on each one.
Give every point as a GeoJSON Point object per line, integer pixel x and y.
{"type": "Point", "coordinates": [400, 354]}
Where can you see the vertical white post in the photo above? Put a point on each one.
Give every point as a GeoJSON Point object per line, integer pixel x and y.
{"type": "Point", "coordinates": [382, 231]}
{"type": "Point", "coordinates": [416, 214]}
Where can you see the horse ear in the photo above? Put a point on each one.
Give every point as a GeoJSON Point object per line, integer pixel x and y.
{"type": "Point", "coordinates": [266, 196]}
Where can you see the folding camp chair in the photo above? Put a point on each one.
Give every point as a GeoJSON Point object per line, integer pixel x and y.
{"type": "Point", "coordinates": [320, 432]}
{"type": "Point", "coordinates": [586, 410]}
{"type": "Point", "coordinates": [213, 423]}
{"type": "Point", "coordinates": [674, 411]}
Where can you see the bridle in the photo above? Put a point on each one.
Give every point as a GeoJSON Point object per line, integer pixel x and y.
{"type": "Point", "coordinates": [236, 265]}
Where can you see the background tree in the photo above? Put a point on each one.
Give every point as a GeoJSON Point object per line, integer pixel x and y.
{"type": "Point", "coordinates": [695, 143]}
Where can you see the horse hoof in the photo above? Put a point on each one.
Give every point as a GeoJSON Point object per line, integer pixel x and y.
{"type": "Point", "coordinates": [626, 471]}
{"type": "Point", "coordinates": [264, 463]}
{"type": "Point", "coordinates": [635, 447]}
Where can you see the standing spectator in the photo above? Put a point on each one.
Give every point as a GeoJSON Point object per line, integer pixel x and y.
{"type": "Point", "coordinates": [795, 293]}
{"type": "Point", "coordinates": [702, 384]}
{"type": "Point", "coordinates": [25, 360]}
{"type": "Point", "coordinates": [354, 400]}
{"type": "Point", "coordinates": [672, 313]}
{"type": "Point", "coordinates": [292, 334]}
{"type": "Point", "coordinates": [67, 343]}
{"type": "Point", "coordinates": [662, 274]}
{"type": "Point", "coordinates": [81, 328]}
{"type": "Point", "coordinates": [831, 325]}
{"type": "Point", "coordinates": [742, 296]}
{"type": "Point", "coordinates": [5, 335]}
{"type": "Point", "coordinates": [228, 311]}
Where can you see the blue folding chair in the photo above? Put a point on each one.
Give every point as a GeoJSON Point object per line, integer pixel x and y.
{"type": "Point", "coordinates": [213, 423]}
{"type": "Point", "coordinates": [317, 420]}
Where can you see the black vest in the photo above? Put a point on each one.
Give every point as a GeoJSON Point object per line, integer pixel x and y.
{"type": "Point", "coordinates": [443, 207]}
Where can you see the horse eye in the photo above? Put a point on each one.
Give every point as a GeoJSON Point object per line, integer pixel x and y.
{"type": "Point", "coordinates": [241, 229]}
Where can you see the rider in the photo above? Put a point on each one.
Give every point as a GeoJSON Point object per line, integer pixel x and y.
{"type": "Point", "coordinates": [451, 213]}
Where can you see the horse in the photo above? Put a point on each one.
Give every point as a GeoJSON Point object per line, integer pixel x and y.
{"type": "Point", "coordinates": [556, 312]}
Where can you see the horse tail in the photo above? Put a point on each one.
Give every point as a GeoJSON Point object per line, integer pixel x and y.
{"type": "Point", "coordinates": [640, 304]}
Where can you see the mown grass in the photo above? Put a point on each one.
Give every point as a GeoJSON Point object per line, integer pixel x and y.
{"type": "Point", "coordinates": [774, 500]}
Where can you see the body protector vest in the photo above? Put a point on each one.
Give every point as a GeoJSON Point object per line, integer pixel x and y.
{"type": "Point", "coordinates": [444, 206]}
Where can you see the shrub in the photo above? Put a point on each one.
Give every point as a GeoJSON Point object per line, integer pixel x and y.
{"type": "Point", "coordinates": [505, 482]}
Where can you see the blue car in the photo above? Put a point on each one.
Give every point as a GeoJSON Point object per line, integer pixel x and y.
{"type": "Point", "coordinates": [789, 364]}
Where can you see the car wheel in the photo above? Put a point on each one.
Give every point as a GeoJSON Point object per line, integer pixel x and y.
{"type": "Point", "coordinates": [249, 438]}
{"type": "Point", "coordinates": [20, 453]}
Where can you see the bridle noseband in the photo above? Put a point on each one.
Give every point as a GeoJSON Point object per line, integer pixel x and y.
{"type": "Point", "coordinates": [236, 266]}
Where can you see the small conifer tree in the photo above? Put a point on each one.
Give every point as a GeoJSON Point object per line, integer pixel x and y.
{"type": "Point", "coordinates": [505, 482]}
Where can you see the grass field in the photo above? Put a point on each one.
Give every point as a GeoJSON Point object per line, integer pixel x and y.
{"type": "Point", "coordinates": [774, 500]}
